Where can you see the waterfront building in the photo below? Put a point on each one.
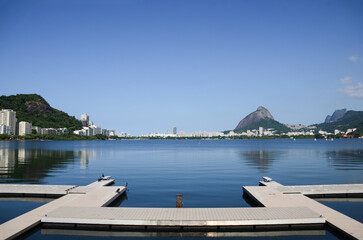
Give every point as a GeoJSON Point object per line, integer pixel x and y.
{"type": "Point", "coordinates": [4, 129]}
{"type": "Point", "coordinates": [88, 131]}
{"type": "Point", "coordinates": [106, 132]}
{"type": "Point", "coordinates": [62, 131]}
{"type": "Point", "coordinates": [260, 131]}
{"type": "Point", "coordinates": [231, 134]}
{"type": "Point", "coordinates": [25, 128]}
{"type": "Point", "coordinates": [96, 130]}
{"type": "Point", "coordinates": [50, 131]}
{"type": "Point", "coordinates": [351, 130]}
{"type": "Point", "coordinates": [81, 132]}
{"type": "Point", "coordinates": [84, 117]}
{"type": "Point", "coordinates": [336, 132]}
{"type": "Point", "coordinates": [38, 130]}
{"type": "Point", "coordinates": [175, 130]}
{"type": "Point", "coordinates": [8, 118]}
{"type": "Point", "coordinates": [85, 120]}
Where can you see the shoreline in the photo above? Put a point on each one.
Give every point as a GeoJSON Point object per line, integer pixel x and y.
{"type": "Point", "coordinates": [87, 138]}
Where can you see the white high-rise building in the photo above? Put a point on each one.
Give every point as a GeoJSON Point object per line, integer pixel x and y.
{"type": "Point", "coordinates": [97, 130]}
{"type": "Point", "coordinates": [84, 117]}
{"type": "Point", "coordinates": [8, 118]}
{"type": "Point", "coordinates": [25, 128]}
{"type": "Point", "coordinates": [260, 130]}
{"type": "Point", "coordinates": [85, 120]}
{"type": "Point", "coordinates": [4, 129]}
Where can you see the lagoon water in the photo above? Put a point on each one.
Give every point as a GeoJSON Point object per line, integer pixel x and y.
{"type": "Point", "coordinates": [209, 173]}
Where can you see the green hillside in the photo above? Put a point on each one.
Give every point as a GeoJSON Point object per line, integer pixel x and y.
{"type": "Point", "coordinates": [352, 119]}
{"type": "Point", "coordinates": [34, 109]}
{"type": "Point", "coordinates": [266, 123]}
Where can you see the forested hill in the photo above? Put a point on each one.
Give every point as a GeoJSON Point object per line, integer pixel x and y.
{"type": "Point", "coordinates": [351, 119]}
{"type": "Point", "coordinates": [34, 109]}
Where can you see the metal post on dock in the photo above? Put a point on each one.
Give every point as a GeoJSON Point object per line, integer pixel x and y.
{"type": "Point", "coordinates": [179, 200]}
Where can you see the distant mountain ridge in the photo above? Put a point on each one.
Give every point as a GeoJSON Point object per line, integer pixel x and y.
{"type": "Point", "coordinates": [341, 119]}
{"type": "Point", "coordinates": [36, 110]}
{"type": "Point", "coordinates": [338, 114]}
{"type": "Point", "coordinates": [351, 119]}
{"type": "Point", "coordinates": [260, 118]}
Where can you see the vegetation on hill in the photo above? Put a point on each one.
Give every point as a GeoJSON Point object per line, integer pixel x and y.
{"type": "Point", "coordinates": [265, 123]}
{"type": "Point", "coordinates": [352, 119]}
{"type": "Point", "coordinates": [34, 109]}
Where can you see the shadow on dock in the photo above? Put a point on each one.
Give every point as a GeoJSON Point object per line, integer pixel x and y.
{"type": "Point", "coordinates": [148, 234]}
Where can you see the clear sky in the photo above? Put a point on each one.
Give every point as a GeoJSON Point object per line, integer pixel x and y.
{"type": "Point", "coordinates": [146, 66]}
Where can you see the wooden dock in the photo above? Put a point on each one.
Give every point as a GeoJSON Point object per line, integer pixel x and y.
{"type": "Point", "coordinates": [97, 194]}
{"type": "Point", "coordinates": [273, 194]}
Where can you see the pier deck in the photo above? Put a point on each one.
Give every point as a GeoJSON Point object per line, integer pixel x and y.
{"type": "Point", "coordinates": [286, 208]}
{"type": "Point", "coordinates": [160, 218]}
{"type": "Point", "coordinates": [31, 190]}
{"type": "Point", "coordinates": [98, 194]}
{"type": "Point", "coordinates": [331, 190]}
{"type": "Point", "coordinates": [277, 195]}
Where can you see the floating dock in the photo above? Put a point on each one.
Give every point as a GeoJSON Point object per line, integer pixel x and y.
{"type": "Point", "coordinates": [97, 194]}
{"type": "Point", "coordinates": [82, 208]}
{"type": "Point", "coordinates": [182, 219]}
{"type": "Point", "coordinates": [273, 194]}
{"type": "Point", "coordinates": [320, 191]}
{"type": "Point", "coordinates": [30, 190]}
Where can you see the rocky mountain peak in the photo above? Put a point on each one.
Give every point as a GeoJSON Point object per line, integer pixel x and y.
{"type": "Point", "coordinates": [256, 116]}
{"type": "Point", "coordinates": [338, 114]}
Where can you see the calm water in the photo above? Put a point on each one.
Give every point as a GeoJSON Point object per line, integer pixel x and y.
{"type": "Point", "coordinates": [209, 173]}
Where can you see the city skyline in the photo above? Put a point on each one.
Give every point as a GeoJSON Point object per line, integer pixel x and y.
{"type": "Point", "coordinates": [141, 66]}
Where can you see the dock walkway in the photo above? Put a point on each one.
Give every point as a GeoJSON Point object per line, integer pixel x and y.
{"type": "Point", "coordinates": [32, 190]}
{"type": "Point", "coordinates": [277, 195]}
{"type": "Point", "coordinates": [285, 208]}
{"type": "Point", "coordinates": [317, 191]}
{"type": "Point", "coordinates": [97, 194]}
{"type": "Point", "coordinates": [181, 218]}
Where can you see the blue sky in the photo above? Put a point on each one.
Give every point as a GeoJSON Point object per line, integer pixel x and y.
{"type": "Point", "coordinates": [140, 66]}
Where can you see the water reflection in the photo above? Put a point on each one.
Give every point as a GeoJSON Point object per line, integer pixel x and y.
{"type": "Point", "coordinates": [35, 164]}
{"type": "Point", "coordinates": [85, 158]}
{"type": "Point", "coordinates": [260, 159]}
{"type": "Point", "coordinates": [346, 159]}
